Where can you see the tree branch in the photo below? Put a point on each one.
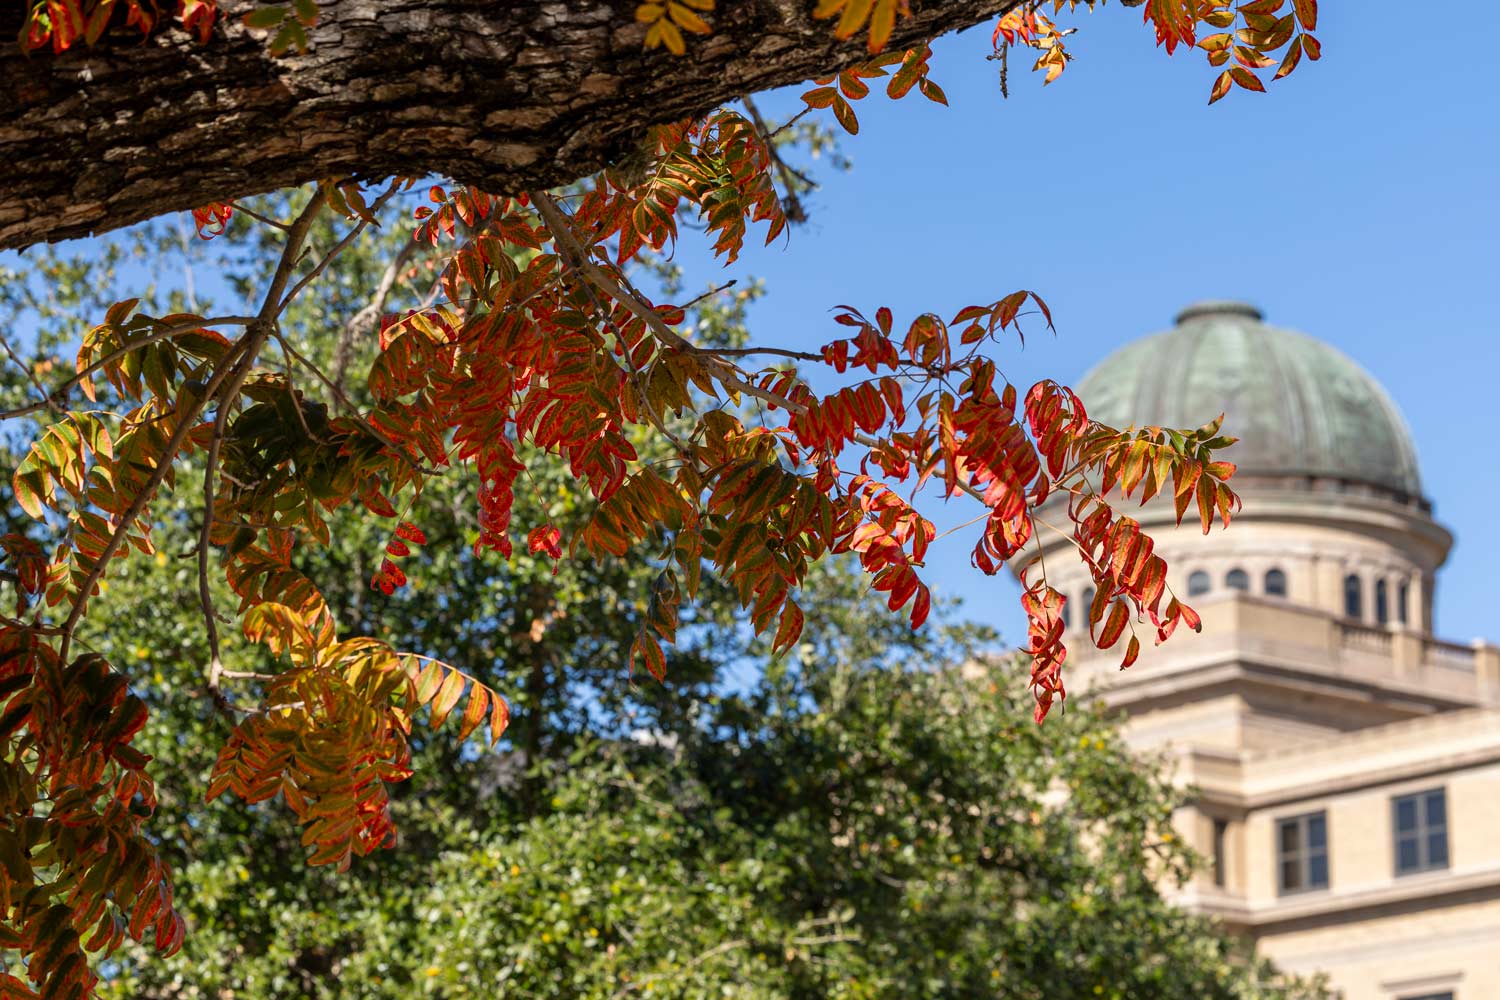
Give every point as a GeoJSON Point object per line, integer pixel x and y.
{"type": "Point", "coordinates": [505, 96]}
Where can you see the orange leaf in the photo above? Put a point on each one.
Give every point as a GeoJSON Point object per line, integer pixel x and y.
{"type": "Point", "coordinates": [499, 718]}
{"type": "Point", "coordinates": [1247, 79]}
{"type": "Point", "coordinates": [474, 711]}
{"type": "Point", "coordinates": [1293, 57]}
{"type": "Point", "coordinates": [447, 697]}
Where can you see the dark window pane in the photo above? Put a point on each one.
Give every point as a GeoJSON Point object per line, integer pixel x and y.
{"type": "Point", "coordinates": [1317, 831]}
{"type": "Point", "coordinates": [1220, 828]}
{"type": "Point", "coordinates": [1406, 855]}
{"type": "Point", "coordinates": [1289, 837]}
{"type": "Point", "coordinates": [1088, 600]}
{"type": "Point", "coordinates": [1353, 597]}
{"type": "Point", "coordinates": [1317, 871]}
{"type": "Point", "coordinates": [1382, 603]}
{"type": "Point", "coordinates": [1237, 579]}
{"type": "Point", "coordinates": [1437, 850]}
{"type": "Point", "coordinates": [1067, 614]}
{"type": "Point", "coordinates": [1276, 583]}
{"type": "Point", "coordinates": [1437, 809]}
{"type": "Point", "coordinates": [1406, 814]}
{"type": "Point", "coordinates": [1198, 583]}
{"type": "Point", "coordinates": [1291, 875]}
{"type": "Point", "coordinates": [1402, 596]}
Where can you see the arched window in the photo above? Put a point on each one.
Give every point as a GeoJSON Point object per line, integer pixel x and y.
{"type": "Point", "coordinates": [1403, 595]}
{"type": "Point", "coordinates": [1275, 583]}
{"type": "Point", "coordinates": [1354, 603]}
{"type": "Point", "coordinates": [1237, 579]}
{"type": "Point", "coordinates": [1088, 602]}
{"type": "Point", "coordinates": [1067, 615]}
{"type": "Point", "coordinates": [1382, 603]}
{"type": "Point", "coordinates": [1198, 583]}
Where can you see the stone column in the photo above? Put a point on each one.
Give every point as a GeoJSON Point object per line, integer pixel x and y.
{"type": "Point", "coordinates": [1487, 667]}
{"type": "Point", "coordinates": [1416, 604]}
{"type": "Point", "coordinates": [1328, 585]}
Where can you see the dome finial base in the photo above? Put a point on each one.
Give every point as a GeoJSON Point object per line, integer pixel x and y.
{"type": "Point", "coordinates": [1218, 307]}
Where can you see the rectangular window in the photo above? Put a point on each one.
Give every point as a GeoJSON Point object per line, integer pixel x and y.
{"type": "Point", "coordinates": [1446, 995]}
{"type": "Point", "coordinates": [1221, 827]}
{"type": "Point", "coordinates": [1420, 823]}
{"type": "Point", "coordinates": [1302, 852]}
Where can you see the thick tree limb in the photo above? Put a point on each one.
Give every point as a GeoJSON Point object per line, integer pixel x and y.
{"type": "Point", "coordinates": [506, 94]}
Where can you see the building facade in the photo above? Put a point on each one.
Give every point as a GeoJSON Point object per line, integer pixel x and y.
{"type": "Point", "coordinates": [1345, 761]}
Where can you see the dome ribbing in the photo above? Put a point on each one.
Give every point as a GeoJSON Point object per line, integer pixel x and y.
{"type": "Point", "coordinates": [1300, 407]}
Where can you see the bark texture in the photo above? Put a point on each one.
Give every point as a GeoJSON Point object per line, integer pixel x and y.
{"type": "Point", "coordinates": [506, 94]}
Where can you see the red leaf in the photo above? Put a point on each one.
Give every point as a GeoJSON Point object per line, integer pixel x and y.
{"type": "Point", "coordinates": [546, 539]}
{"type": "Point", "coordinates": [789, 629]}
{"type": "Point", "coordinates": [1114, 625]}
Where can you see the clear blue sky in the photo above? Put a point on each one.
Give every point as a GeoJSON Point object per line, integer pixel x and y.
{"type": "Point", "coordinates": [1356, 201]}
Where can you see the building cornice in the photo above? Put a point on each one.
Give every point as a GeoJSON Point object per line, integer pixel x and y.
{"type": "Point", "coordinates": [1419, 892]}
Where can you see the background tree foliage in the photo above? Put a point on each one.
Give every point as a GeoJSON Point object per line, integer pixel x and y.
{"type": "Point", "coordinates": [856, 819]}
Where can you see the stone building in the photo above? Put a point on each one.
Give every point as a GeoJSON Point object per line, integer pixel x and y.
{"type": "Point", "coordinates": [1346, 760]}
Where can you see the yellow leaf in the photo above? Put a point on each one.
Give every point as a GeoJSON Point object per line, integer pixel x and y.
{"type": "Point", "coordinates": [882, 24]}
{"type": "Point", "coordinates": [856, 12]}
{"type": "Point", "coordinates": [686, 19]}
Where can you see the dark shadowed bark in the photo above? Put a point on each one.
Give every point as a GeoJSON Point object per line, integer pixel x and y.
{"type": "Point", "coordinates": [506, 94]}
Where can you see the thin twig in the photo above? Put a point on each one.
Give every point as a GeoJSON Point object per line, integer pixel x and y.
{"type": "Point", "coordinates": [791, 204]}
{"type": "Point", "coordinates": [710, 293]}
{"type": "Point", "coordinates": [338, 248]}
{"type": "Point", "coordinates": [574, 253]}
{"type": "Point", "coordinates": [48, 401]}
{"type": "Point", "coordinates": [255, 337]}
{"type": "Point", "coordinates": [746, 352]}
{"type": "Point", "coordinates": [56, 396]}
{"type": "Point", "coordinates": [353, 411]}
{"type": "Point", "coordinates": [368, 317]}
{"type": "Point", "coordinates": [238, 207]}
{"type": "Point", "coordinates": [792, 121]}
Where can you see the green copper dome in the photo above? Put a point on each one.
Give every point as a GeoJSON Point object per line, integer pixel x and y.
{"type": "Point", "coordinates": [1300, 408]}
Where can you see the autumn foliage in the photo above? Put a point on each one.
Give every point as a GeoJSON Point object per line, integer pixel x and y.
{"type": "Point", "coordinates": [539, 347]}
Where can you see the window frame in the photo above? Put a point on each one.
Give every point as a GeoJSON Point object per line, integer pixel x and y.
{"type": "Point", "coordinates": [1303, 854]}
{"type": "Point", "coordinates": [1237, 579]}
{"type": "Point", "coordinates": [1422, 833]}
{"type": "Point", "coordinates": [1196, 577]}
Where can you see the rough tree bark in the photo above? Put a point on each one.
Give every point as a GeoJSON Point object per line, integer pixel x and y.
{"type": "Point", "coordinates": [506, 94]}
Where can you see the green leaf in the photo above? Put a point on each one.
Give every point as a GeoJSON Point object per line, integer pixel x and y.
{"type": "Point", "coordinates": [266, 17]}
